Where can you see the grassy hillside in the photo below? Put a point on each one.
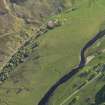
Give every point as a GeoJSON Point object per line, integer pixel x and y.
{"type": "Point", "coordinates": [57, 53]}
{"type": "Point", "coordinates": [18, 19]}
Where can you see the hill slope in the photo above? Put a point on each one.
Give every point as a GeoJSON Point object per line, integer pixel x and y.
{"type": "Point", "coordinates": [18, 19]}
{"type": "Point", "coordinates": [58, 52]}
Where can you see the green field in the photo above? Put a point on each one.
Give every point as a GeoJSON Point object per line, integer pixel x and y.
{"type": "Point", "coordinates": [58, 52]}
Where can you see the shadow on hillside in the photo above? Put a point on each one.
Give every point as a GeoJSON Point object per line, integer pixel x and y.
{"type": "Point", "coordinates": [100, 96]}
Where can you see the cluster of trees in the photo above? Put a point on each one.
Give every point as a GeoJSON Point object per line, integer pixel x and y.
{"type": "Point", "coordinates": [18, 58]}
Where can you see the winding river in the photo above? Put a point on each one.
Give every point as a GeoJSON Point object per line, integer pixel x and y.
{"type": "Point", "coordinates": [45, 99]}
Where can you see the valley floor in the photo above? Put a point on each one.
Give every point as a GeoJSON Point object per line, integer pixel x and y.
{"type": "Point", "coordinates": [58, 52]}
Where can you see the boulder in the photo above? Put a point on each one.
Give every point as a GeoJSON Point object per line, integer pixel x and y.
{"type": "Point", "coordinates": [50, 24]}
